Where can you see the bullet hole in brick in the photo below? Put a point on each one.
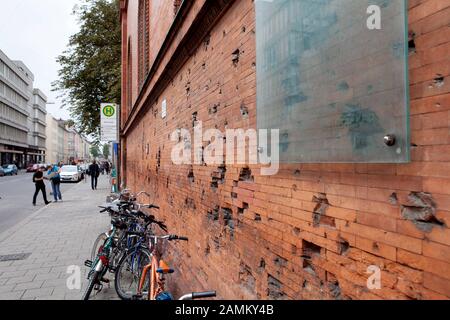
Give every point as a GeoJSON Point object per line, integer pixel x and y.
{"type": "Point", "coordinates": [158, 160]}
{"type": "Point", "coordinates": [218, 176]}
{"type": "Point", "coordinates": [206, 88]}
{"type": "Point", "coordinates": [297, 173]}
{"type": "Point", "coordinates": [412, 43]}
{"type": "Point", "coordinates": [207, 41]}
{"type": "Point", "coordinates": [246, 277]}
{"type": "Point", "coordinates": [335, 289]}
{"type": "Point", "coordinates": [216, 242]}
{"type": "Point", "coordinates": [438, 81]}
{"type": "Point", "coordinates": [224, 33]}
{"type": "Point", "coordinates": [319, 213]}
{"type": "Point", "coordinates": [235, 183]}
{"type": "Point", "coordinates": [234, 195]}
{"type": "Point", "coordinates": [421, 210]}
{"type": "Point", "coordinates": [194, 118]}
{"type": "Point", "coordinates": [393, 199]}
{"type": "Point", "coordinates": [191, 175]}
{"type": "Point", "coordinates": [294, 187]}
{"type": "Point", "coordinates": [214, 214]}
{"type": "Point", "coordinates": [309, 249]}
{"type": "Point", "coordinates": [343, 246]}
{"type": "Point", "coordinates": [257, 217]}
{"type": "Point", "coordinates": [246, 175]}
{"type": "Point", "coordinates": [227, 215]}
{"type": "Point", "coordinates": [244, 111]}
{"type": "Point", "coordinates": [207, 249]}
{"type": "Point", "coordinates": [308, 266]}
{"type": "Point", "coordinates": [375, 246]}
{"type": "Point", "coordinates": [214, 109]}
{"type": "Point", "coordinates": [304, 284]}
{"type": "Point", "coordinates": [274, 288]}
{"type": "Point", "coordinates": [204, 65]}
{"type": "Point", "coordinates": [280, 262]}
{"type": "Point", "coordinates": [296, 231]}
{"type": "Point", "coordinates": [235, 56]}
{"type": "Point", "coordinates": [253, 65]}
{"type": "Point", "coordinates": [190, 203]}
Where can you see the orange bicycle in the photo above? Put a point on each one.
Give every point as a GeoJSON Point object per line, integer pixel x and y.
{"type": "Point", "coordinates": [156, 269]}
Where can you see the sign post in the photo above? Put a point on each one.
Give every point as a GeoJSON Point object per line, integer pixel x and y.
{"type": "Point", "coordinates": [109, 122]}
{"type": "Point", "coordinates": [109, 132]}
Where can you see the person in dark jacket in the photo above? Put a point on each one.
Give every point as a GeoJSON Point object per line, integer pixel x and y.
{"type": "Point", "coordinates": [94, 171]}
{"type": "Point", "coordinates": [38, 179]}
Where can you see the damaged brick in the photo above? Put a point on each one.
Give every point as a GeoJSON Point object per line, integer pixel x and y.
{"type": "Point", "coordinates": [235, 56]}
{"type": "Point", "coordinates": [191, 175]}
{"type": "Point", "coordinates": [246, 277]}
{"type": "Point", "coordinates": [246, 175]}
{"type": "Point", "coordinates": [274, 288]}
{"type": "Point", "coordinates": [421, 210]}
{"type": "Point", "coordinates": [319, 212]}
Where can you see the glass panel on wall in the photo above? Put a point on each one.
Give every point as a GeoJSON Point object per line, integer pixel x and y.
{"type": "Point", "coordinates": [332, 76]}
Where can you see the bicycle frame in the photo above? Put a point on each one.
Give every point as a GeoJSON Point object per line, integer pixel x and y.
{"type": "Point", "coordinates": [98, 263]}
{"type": "Point", "coordinates": [156, 281]}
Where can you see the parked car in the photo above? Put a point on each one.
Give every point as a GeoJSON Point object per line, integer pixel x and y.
{"type": "Point", "coordinates": [70, 174]}
{"type": "Point", "coordinates": [2, 172]}
{"type": "Point", "coordinates": [32, 167]}
{"type": "Point", "coordinates": [10, 169]}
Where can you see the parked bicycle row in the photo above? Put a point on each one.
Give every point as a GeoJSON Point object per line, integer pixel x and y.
{"type": "Point", "coordinates": [133, 250]}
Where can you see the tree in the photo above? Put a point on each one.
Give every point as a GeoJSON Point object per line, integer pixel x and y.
{"type": "Point", "coordinates": [90, 67]}
{"type": "Point", "coordinates": [106, 151]}
{"type": "Point", "coordinates": [95, 151]}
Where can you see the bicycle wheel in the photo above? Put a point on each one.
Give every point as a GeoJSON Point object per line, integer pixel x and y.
{"type": "Point", "coordinates": [98, 243]}
{"type": "Point", "coordinates": [129, 271]}
{"type": "Point", "coordinates": [92, 282]}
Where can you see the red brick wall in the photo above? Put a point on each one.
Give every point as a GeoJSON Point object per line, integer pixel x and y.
{"type": "Point", "coordinates": [257, 238]}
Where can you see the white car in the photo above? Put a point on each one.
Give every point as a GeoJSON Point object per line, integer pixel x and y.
{"type": "Point", "coordinates": [70, 174]}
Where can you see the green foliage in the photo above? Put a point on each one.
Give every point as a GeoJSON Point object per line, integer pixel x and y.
{"type": "Point", "coordinates": [106, 151]}
{"type": "Point", "coordinates": [95, 151]}
{"type": "Point", "coordinates": [90, 67]}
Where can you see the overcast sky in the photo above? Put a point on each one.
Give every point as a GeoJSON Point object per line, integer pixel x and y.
{"type": "Point", "coordinates": [36, 32]}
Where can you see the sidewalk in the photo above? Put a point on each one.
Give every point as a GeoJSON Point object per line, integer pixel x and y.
{"type": "Point", "coordinates": [55, 237]}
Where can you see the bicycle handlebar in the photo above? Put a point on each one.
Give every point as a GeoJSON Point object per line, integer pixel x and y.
{"type": "Point", "coordinates": [198, 295]}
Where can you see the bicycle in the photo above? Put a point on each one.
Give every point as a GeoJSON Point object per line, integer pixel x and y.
{"type": "Point", "coordinates": [156, 270]}
{"type": "Point", "coordinates": [126, 232]}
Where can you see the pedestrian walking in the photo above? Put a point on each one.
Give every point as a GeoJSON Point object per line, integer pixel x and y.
{"type": "Point", "coordinates": [107, 167]}
{"type": "Point", "coordinates": [38, 179]}
{"type": "Point", "coordinates": [94, 170]}
{"type": "Point", "coordinates": [55, 180]}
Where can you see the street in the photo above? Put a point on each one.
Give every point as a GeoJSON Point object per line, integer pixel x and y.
{"type": "Point", "coordinates": [16, 193]}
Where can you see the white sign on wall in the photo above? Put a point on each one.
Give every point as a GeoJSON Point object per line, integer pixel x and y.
{"type": "Point", "coordinates": [164, 109]}
{"type": "Point", "coordinates": [109, 115]}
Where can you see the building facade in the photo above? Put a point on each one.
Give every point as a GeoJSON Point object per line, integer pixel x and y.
{"type": "Point", "coordinates": [65, 144]}
{"type": "Point", "coordinates": [53, 141]}
{"type": "Point", "coordinates": [258, 237]}
{"type": "Point", "coordinates": [22, 115]}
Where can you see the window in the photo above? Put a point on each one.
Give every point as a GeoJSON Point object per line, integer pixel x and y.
{"type": "Point", "coordinates": [129, 79]}
{"type": "Point", "coordinates": [144, 39]}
